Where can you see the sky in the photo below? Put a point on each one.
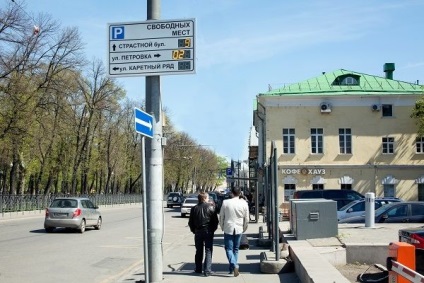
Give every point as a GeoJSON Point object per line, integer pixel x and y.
{"type": "Point", "coordinates": [246, 47]}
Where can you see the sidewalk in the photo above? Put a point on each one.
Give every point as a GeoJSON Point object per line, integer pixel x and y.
{"type": "Point", "coordinates": [178, 261]}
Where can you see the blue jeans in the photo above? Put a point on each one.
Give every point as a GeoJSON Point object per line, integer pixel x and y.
{"type": "Point", "coordinates": [232, 244]}
{"type": "Point", "coordinates": [203, 240]}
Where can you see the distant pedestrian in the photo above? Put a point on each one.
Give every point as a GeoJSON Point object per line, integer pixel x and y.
{"type": "Point", "coordinates": [203, 223]}
{"type": "Point", "coordinates": [233, 219]}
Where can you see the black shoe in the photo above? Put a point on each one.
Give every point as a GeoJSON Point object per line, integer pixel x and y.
{"type": "Point", "coordinates": [207, 274]}
{"type": "Point", "coordinates": [200, 272]}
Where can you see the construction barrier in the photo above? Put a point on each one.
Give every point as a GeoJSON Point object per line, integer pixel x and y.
{"type": "Point", "coordinates": [401, 264]}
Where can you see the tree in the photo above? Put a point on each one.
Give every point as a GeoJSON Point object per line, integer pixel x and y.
{"type": "Point", "coordinates": [64, 126]}
{"type": "Point", "coordinates": [418, 114]}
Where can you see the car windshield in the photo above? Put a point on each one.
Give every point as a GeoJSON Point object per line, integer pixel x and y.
{"type": "Point", "coordinates": [213, 196]}
{"type": "Point", "coordinates": [64, 203]}
{"type": "Point", "coordinates": [343, 208]}
{"type": "Point", "coordinates": [384, 208]}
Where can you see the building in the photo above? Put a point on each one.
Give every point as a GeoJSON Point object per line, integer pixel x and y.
{"type": "Point", "coordinates": [345, 130]}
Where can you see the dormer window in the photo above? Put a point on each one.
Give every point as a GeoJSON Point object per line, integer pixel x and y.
{"type": "Point", "coordinates": [348, 79]}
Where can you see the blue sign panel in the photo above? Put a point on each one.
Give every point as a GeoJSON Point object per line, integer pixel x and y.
{"type": "Point", "coordinates": [143, 123]}
{"type": "Point", "coordinates": [229, 172]}
{"type": "Point", "coordinates": [118, 32]}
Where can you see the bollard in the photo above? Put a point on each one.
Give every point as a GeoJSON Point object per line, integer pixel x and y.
{"type": "Point", "coordinates": [403, 253]}
{"type": "Point", "coordinates": [369, 210]}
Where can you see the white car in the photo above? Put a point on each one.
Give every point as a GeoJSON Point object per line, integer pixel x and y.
{"type": "Point", "coordinates": [357, 207]}
{"type": "Point", "coordinates": [187, 205]}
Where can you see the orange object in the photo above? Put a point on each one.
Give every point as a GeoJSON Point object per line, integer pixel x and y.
{"type": "Point", "coordinates": [403, 253]}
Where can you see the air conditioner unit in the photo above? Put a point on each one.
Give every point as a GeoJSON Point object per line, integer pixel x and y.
{"type": "Point", "coordinates": [325, 107]}
{"type": "Point", "coordinates": [376, 107]}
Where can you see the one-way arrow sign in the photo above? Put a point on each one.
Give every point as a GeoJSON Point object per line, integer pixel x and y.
{"type": "Point", "coordinates": [143, 123]}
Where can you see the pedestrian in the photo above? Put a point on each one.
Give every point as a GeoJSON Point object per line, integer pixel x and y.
{"type": "Point", "coordinates": [233, 219]}
{"type": "Point", "coordinates": [203, 223]}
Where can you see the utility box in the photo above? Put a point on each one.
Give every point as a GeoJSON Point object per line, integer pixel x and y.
{"type": "Point", "coordinates": [313, 218]}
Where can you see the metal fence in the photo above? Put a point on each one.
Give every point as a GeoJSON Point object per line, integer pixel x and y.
{"type": "Point", "coordinates": [18, 203]}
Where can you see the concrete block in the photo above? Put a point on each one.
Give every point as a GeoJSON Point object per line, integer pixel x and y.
{"type": "Point", "coordinates": [334, 255]}
{"type": "Point", "coordinates": [269, 265]}
{"type": "Point", "coordinates": [309, 264]}
{"type": "Point", "coordinates": [366, 253]}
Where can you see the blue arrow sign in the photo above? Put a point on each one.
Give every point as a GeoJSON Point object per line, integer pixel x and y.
{"type": "Point", "coordinates": [143, 123]}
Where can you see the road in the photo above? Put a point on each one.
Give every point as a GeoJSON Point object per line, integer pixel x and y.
{"type": "Point", "coordinates": [28, 254]}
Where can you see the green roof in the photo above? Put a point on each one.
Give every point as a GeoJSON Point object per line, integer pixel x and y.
{"type": "Point", "coordinates": [330, 84]}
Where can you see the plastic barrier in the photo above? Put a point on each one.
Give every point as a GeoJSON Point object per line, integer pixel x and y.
{"type": "Point", "coordinates": [401, 264]}
{"type": "Point", "coordinates": [399, 271]}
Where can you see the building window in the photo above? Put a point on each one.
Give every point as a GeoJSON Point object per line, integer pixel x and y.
{"type": "Point", "coordinates": [388, 145]}
{"type": "Point", "coordinates": [420, 192]}
{"type": "Point", "coordinates": [288, 141]}
{"type": "Point", "coordinates": [389, 190]}
{"type": "Point", "coordinates": [289, 190]}
{"type": "Point", "coordinates": [347, 79]}
{"type": "Point", "coordinates": [345, 141]}
{"type": "Point", "coordinates": [419, 145]}
{"type": "Point", "coordinates": [387, 110]}
{"type": "Point", "coordinates": [317, 186]}
{"type": "Point", "coordinates": [346, 186]}
{"type": "Point", "coordinates": [317, 140]}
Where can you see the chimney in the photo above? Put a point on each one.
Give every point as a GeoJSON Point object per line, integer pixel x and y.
{"type": "Point", "coordinates": [388, 69]}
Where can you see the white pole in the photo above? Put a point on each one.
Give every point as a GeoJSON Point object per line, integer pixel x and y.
{"type": "Point", "coordinates": [369, 210]}
{"type": "Point", "coordinates": [145, 242]}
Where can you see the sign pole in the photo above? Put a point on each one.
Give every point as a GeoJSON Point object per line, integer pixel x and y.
{"type": "Point", "coordinates": [146, 246]}
{"type": "Point", "coordinates": [155, 167]}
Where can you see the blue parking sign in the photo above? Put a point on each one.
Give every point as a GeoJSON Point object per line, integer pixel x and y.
{"type": "Point", "coordinates": [229, 172]}
{"type": "Point", "coordinates": [117, 32]}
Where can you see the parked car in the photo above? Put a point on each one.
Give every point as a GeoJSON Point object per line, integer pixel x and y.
{"type": "Point", "coordinates": [357, 207]}
{"type": "Point", "coordinates": [395, 212]}
{"type": "Point", "coordinates": [413, 236]}
{"type": "Point", "coordinates": [213, 198]}
{"type": "Point", "coordinates": [187, 205]}
{"type": "Point", "coordinates": [75, 213]}
{"type": "Point", "coordinates": [174, 199]}
{"type": "Point", "coordinates": [342, 197]}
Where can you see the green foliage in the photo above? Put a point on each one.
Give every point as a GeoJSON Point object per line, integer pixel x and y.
{"type": "Point", "coordinates": [418, 115]}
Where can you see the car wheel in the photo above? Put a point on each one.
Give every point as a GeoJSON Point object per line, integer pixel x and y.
{"type": "Point", "coordinates": [81, 229]}
{"type": "Point", "coordinates": [168, 206]}
{"type": "Point", "coordinates": [49, 229]}
{"type": "Point", "coordinates": [183, 215]}
{"type": "Point", "coordinates": [99, 224]}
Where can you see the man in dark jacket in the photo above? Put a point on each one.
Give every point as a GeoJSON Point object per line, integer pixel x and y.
{"type": "Point", "coordinates": [203, 222]}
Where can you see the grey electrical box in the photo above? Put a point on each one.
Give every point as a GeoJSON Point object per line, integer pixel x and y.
{"type": "Point", "coordinates": [313, 218]}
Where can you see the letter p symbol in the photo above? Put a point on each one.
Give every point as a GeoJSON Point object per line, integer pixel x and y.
{"type": "Point", "coordinates": [118, 32]}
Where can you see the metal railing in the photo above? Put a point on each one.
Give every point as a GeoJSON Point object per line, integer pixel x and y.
{"type": "Point", "coordinates": [19, 203]}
